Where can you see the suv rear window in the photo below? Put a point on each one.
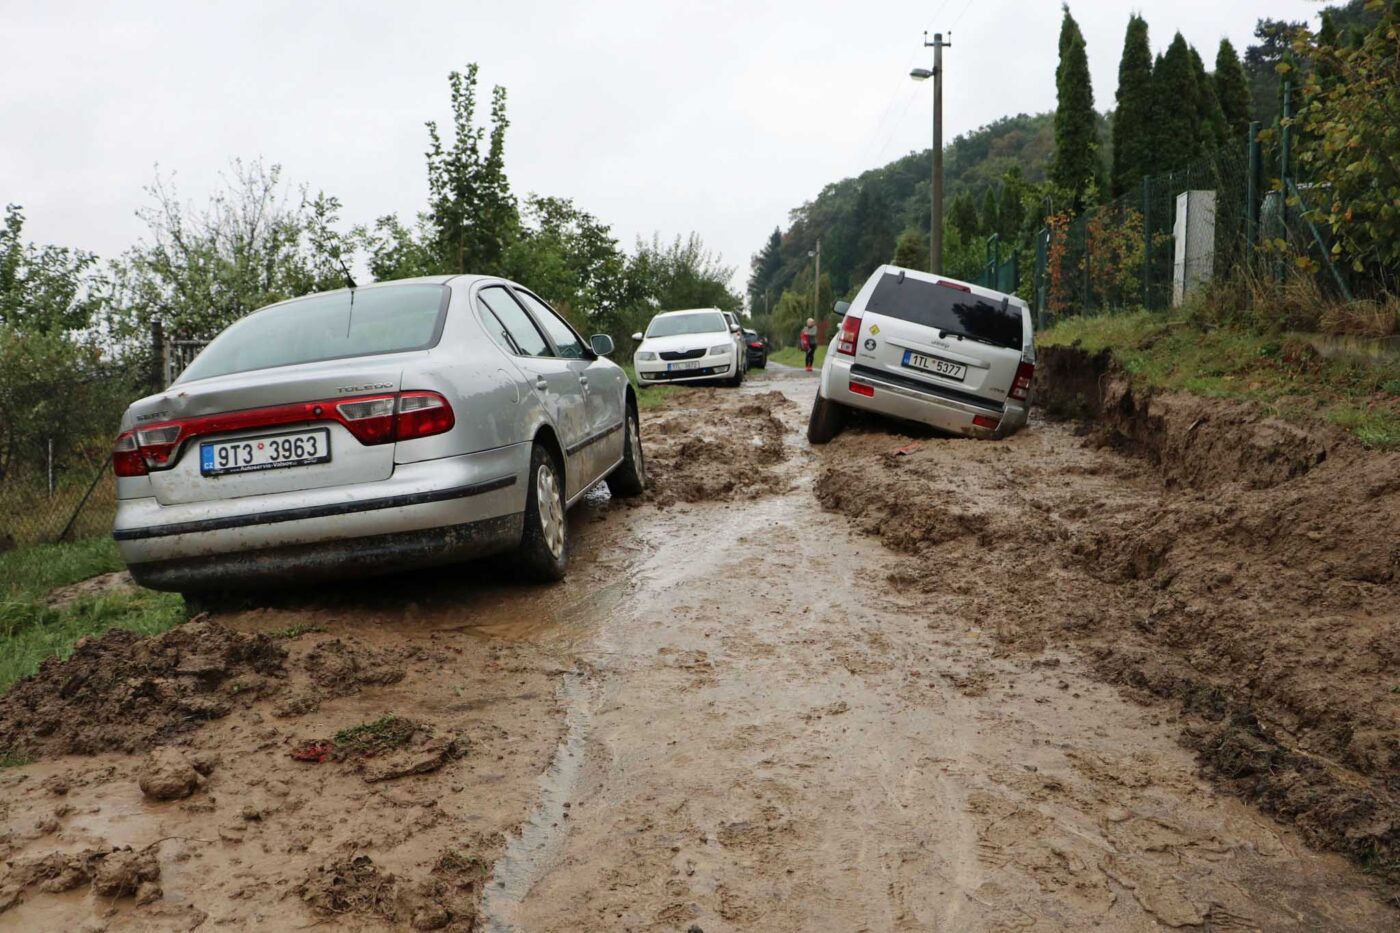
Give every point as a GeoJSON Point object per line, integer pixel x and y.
{"type": "Point", "coordinates": [948, 309]}
{"type": "Point", "coordinates": [366, 322]}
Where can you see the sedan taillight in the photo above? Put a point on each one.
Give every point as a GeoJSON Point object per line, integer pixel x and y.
{"type": "Point", "coordinates": [371, 419]}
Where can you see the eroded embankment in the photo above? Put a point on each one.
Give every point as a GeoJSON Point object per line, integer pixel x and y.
{"type": "Point", "coordinates": [1199, 551]}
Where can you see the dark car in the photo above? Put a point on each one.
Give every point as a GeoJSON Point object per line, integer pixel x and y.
{"type": "Point", "coordinates": [757, 349]}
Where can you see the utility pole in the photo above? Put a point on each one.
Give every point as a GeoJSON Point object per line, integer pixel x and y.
{"type": "Point", "coordinates": [936, 222]}
{"type": "Point", "coordinates": [935, 232]}
{"type": "Point", "coordinates": [817, 281]}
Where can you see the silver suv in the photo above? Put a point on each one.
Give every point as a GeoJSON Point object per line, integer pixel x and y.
{"type": "Point", "coordinates": [402, 424]}
{"type": "Point", "coordinates": [927, 348]}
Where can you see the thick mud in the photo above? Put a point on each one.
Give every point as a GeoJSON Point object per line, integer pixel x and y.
{"type": "Point", "coordinates": [740, 711]}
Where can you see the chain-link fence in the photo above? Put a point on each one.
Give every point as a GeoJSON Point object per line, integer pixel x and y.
{"type": "Point", "coordinates": [58, 418]}
{"type": "Point", "coordinates": [1239, 213]}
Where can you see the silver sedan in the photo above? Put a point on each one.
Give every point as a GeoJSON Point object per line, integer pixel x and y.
{"type": "Point", "coordinates": [402, 424]}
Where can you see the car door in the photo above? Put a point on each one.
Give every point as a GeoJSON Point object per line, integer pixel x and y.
{"type": "Point", "coordinates": [601, 382]}
{"type": "Point", "coordinates": [554, 380]}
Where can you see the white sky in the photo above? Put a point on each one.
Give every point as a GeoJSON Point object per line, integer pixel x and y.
{"type": "Point", "coordinates": [717, 117]}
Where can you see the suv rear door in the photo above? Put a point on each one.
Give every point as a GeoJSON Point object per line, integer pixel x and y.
{"type": "Point", "coordinates": [941, 333]}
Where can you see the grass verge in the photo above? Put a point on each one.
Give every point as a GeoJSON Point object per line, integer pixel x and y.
{"type": "Point", "coordinates": [649, 397]}
{"type": "Point", "coordinates": [793, 356]}
{"type": "Point", "coordinates": [31, 630]}
{"type": "Point", "coordinates": [1234, 361]}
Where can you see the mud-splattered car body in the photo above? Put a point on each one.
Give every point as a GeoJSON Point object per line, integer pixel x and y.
{"type": "Point", "coordinates": [363, 431]}
{"type": "Point", "coordinates": [955, 356]}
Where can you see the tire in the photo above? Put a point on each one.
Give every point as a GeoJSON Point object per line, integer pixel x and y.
{"type": "Point", "coordinates": [827, 420]}
{"type": "Point", "coordinates": [737, 379]}
{"type": "Point", "coordinates": [543, 555]}
{"type": "Point", "coordinates": [629, 480]}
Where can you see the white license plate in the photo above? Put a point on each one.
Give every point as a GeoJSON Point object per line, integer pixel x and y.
{"type": "Point", "coordinates": [272, 452]}
{"type": "Point", "coordinates": [688, 364]}
{"type": "Point", "coordinates": [932, 364]}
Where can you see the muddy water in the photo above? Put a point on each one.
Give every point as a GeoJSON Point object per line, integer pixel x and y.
{"type": "Point", "coordinates": [728, 717]}
{"type": "Point", "coordinates": [773, 737]}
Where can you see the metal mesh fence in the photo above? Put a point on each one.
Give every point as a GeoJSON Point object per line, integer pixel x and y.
{"type": "Point", "coordinates": [1153, 247]}
{"type": "Point", "coordinates": [1241, 211]}
{"type": "Point", "coordinates": [57, 425]}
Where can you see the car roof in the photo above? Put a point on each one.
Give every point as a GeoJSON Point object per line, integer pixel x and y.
{"type": "Point", "coordinates": [688, 311]}
{"type": "Point", "coordinates": [980, 291]}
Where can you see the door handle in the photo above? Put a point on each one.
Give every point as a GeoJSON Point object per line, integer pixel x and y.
{"type": "Point", "coordinates": [542, 383]}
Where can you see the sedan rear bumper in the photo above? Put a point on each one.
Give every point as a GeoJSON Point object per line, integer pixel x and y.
{"type": "Point", "coordinates": [226, 541]}
{"type": "Point", "coordinates": [355, 557]}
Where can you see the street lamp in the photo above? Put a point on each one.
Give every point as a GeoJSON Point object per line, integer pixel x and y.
{"type": "Point", "coordinates": [935, 220]}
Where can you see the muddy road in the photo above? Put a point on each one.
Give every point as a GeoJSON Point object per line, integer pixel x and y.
{"type": "Point", "coordinates": [777, 694]}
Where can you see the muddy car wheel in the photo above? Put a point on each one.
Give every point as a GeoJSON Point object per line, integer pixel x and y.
{"type": "Point", "coordinates": [828, 418]}
{"type": "Point", "coordinates": [630, 477]}
{"type": "Point", "coordinates": [544, 545]}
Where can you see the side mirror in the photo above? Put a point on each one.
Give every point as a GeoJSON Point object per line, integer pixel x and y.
{"type": "Point", "coordinates": [637, 336]}
{"type": "Point", "coordinates": [734, 328]}
{"type": "Point", "coordinates": [602, 344]}
{"type": "Point", "coordinates": [842, 307]}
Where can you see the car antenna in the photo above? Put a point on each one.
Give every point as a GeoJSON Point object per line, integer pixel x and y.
{"type": "Point", "coordinates": [901, 276]}
{"type": "Point", "coordinates": [349, 279]}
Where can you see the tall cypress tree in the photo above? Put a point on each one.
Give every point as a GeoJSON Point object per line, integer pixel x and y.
{"type": "Point", "coordinates": [1133, 118]}
{"type": "Point", "coordinates": [1076, 144]}
{"type": "Point", "coordinates": [1210, 119]}
{"type": "Point", "coordinates": [1175, 133]}
{"type": "Point", "coordinates": [991, 212]}
{"type": "Point", "coordinates": [1232, 90]}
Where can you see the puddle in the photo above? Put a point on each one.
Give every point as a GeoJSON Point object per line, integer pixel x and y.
{"type": "Point", "coordinates": [534, 850]}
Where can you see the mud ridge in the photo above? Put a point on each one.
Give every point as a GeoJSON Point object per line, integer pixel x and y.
{"type": "Point", "coordinates": [1199, 551]}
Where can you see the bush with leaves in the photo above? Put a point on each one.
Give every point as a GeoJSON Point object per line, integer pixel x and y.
{"type": "Point", "coordinates": [1351, 142]}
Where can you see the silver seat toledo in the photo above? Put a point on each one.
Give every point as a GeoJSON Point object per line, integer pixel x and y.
{"type": "Point", "coordinates": [402, 424]}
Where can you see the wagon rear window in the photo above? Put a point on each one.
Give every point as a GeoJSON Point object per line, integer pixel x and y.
{"type": "Point", "coordinates": [948, 309]}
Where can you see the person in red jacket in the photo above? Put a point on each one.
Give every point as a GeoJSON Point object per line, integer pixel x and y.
{"type": "Point", "coordinates": [809, 341]}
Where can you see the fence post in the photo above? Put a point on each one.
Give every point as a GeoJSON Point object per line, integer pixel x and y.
{"type": "Point", "coordinates": [1147, 242]}
{"type": "Point", "coordinates": [1042, 261]}
{"type": "Point", "coordinates": [1251, 203]}
{"type": "Point", "coordinates": [157, 374]}
{"type": "Point", "coordinates": [1088, 296]}
{"type": "Point", "coordinates": [1285, 153]}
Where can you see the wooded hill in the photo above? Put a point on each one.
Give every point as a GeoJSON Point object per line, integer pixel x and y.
{"type": "Point", "coordinates": [859, 219]}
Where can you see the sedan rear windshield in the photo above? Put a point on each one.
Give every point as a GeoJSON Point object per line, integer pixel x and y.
{"type": "Point", "coordinates": [703, 322]}
{"type": "Point", "coordinates": [948, 309]}
{"type": "Point", "coordinates": [370, 321]}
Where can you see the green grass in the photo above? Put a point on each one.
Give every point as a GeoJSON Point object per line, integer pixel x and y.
{"type": "Point", "coordinates": [375, 738]}
{"type": "Point", "coordinates": [648, 397]}
{"type": "Point", "coordinates": [31, 631]}
{"type": "Point", "coordinates": [1239, 362]}
{"type": "Point", "coordinates": [794, 356]}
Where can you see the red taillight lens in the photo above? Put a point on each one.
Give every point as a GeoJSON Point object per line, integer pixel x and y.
{"type": "Point", "coordinates": [861, 389]}
{"type": "Point", "coordinates": [374, 419]}
{"type": "Point", "coordinates": [1021, 385]}
{"type": "Point", "coordinates": [985, 421]}
{"type": "Point", "coordinates": [423, 414]}
{"type": "Point", "coordinates": [850, 333]}
{"type": "Point", "coordinates": [756, 345]}
{"type": "Point", "coordinates": [126, 456]}
{"type": "Point", "coordinates": [371, 420]}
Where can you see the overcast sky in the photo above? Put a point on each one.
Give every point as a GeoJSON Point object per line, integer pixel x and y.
{"type": "Point", "coordinates": [714, 117]}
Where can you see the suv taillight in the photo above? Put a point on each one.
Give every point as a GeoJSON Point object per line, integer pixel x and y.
{"type": "Point", "coordinates": [371, 419]}
{"type": "Point", "coordinates": [850, 333]}
{"type": "Point", "coordinates": [1021, 385]}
